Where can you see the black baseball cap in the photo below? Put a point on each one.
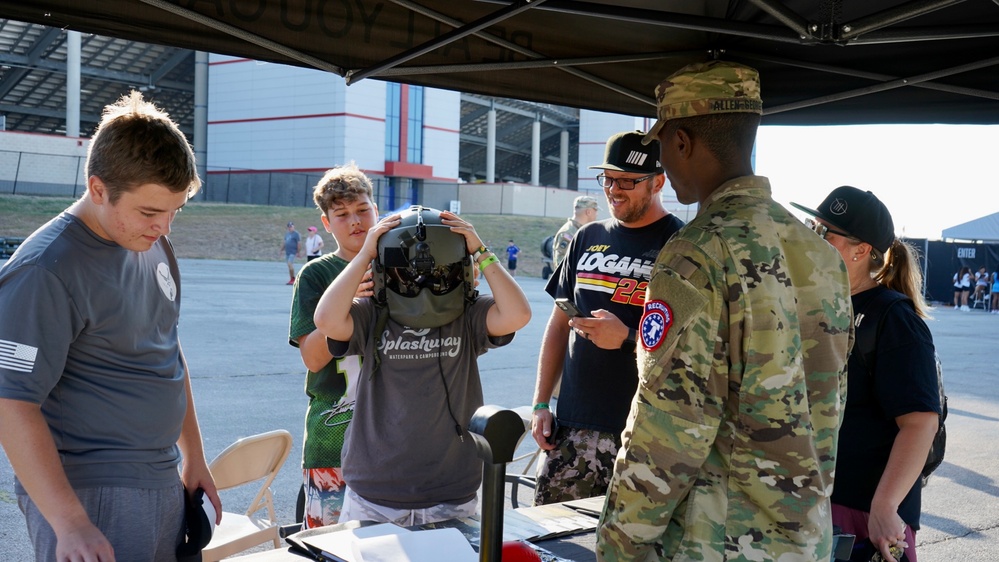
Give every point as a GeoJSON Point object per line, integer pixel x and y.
{"type": "Point", "coordinates": [625, 152]}
{"type": "Point", "coordinates": [199, 524]}
{"type": "Point", "coordinates": [858, 213]}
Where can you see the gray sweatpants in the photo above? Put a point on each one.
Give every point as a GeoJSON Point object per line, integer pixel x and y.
{"type": "Point", "coordinates": [140, 523]}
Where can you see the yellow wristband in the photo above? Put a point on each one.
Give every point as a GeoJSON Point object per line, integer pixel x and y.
{"type": "Point", "coordinates": [487, 262]}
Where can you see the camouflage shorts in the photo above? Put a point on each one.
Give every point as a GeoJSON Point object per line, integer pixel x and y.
{"type": "Point", "coordinates": [579, 467]}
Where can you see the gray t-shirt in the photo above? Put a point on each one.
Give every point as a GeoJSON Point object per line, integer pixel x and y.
{"type": "Point", "coordinates": [402, 448]}
{"type": "Point", "coordinates": [291, 240]}
{"type": "Point", "coordinates": [90, 333]}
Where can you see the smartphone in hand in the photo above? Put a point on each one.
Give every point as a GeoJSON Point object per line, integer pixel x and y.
{"type": "Point", "coordinates": [568, 307]}
{"type": "Point", "coordinates": [551, 439]}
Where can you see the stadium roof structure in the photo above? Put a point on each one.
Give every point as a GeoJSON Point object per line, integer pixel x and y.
{"type": "Point", "coordinates": [514, 138]}
{"type": "Point", "coordinates": [821, 61]}
{"type": "Point", "coordinates": [33, 78]}
{"type": "Point", "coordinates": [33, 98]}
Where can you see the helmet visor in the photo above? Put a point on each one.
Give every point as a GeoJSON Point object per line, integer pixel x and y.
{"type": "Point", "coordinates": [441, 280]}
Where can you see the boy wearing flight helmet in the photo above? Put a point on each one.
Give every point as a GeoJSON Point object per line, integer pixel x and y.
{"type": "Point", "coordinates": [420, 336]}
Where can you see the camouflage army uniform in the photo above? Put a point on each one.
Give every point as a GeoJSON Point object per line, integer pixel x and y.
{"type": "Point", "coordinates": [562, 238]}
{"type": "Point", "coordinates": [731, 440]}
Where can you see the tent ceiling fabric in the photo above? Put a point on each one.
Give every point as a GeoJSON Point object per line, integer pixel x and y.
{"type": "Point", "coordinates": [821, 61]}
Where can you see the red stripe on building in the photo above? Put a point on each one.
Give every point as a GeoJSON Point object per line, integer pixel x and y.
{"type": "Point", "coordinates": [321, 171]}
{"type": "Point", "coordinates": [287, 117]}
{"type": "Point", "coordinates": [441, 129]}
{"type": "Point", "coordinates": [285, 171]}
{"type": "Point", "coordinates": [230, 61]}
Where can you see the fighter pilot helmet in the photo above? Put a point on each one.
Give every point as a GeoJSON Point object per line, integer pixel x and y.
{"type": "Point", "coordinates": [423, 273]}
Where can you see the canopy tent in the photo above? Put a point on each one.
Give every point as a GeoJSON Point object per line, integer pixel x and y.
{"type": "Point", "coordinates": [821, 61]}
{"type": "Point", "coordinates": [985, 229]}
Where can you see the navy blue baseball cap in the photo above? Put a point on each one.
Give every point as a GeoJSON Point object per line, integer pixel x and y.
{"type": "Point", "coordinates": [858, 213]}
{"type": "Point", "coordinates": [624, 152]}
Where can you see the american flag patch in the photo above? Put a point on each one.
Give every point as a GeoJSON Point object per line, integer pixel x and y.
{"type": "Point", "coordinates": [17, 356]}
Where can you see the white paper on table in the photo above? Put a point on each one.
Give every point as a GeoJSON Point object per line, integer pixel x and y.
{"type": "Point", "coordinates": [378, 530]}
{"type": "Point", "coordinates": [432, 545]}
{"type": "Point", "coordinates": [339, 545]}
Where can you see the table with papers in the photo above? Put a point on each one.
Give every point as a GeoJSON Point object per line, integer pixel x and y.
{"type": "Point", "coordinates": [558, 532]}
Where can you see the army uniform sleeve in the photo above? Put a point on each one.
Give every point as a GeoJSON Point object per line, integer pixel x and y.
{"type": "Point", "coordinates": [561, 244]}
{"type": "Point", "coordinates": [678, 407]}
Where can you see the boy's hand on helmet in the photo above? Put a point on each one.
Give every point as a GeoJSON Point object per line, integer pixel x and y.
{"type": "Point", "coordinates": [370, 248]}
{"type": "Point", "coordinates": [463, 227]}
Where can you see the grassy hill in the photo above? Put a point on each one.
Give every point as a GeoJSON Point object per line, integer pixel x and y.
{"type": "Point", "coordinates": [254, 232]}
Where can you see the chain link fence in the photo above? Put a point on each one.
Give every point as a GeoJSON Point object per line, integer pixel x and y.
{"type": "Point", "coordinates": [27, 173]}
{"type": "Point", "coordinates": [30, 173]}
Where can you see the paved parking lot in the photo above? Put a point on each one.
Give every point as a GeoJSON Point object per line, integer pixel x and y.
{"type": "Point", "coordinates": [247, 380]}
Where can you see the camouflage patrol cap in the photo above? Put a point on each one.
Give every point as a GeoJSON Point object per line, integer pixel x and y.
{"type": "Point", "coordinates": [585, 202]}
{"type": "Point", "coordinates": [704, 89]}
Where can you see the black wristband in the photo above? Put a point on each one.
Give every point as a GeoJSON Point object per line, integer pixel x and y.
{"type": "Point", "coordinates": [629, 342]}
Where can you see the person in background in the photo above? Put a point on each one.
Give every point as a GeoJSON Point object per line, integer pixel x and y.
{"type": "Point", "coordinates": [730, 446]}
{"type": "Point", "coordinates": [313, 244]}
{"type": "Point", "coordinates": [584, 212]}
{"type": "Point", "coordinates": [511, 258]}
{"type": "Point", "coordinates": [982, 282]}
{"type": "Point", "coordinates": [963, 281]}
{"type": "Point", "coordinates": [96, 408]}
{"type": "Point", "coordinates": [994, 308]}
{"type": "Point", "coordinates": [343, 196]}
{"type": "Point", "coordinates": [593, 357]}
{"type": "Point", "coordinates": [886, 432]}
{"type": "Point", "coordinates": [957, 289]}
{"type": "Point", "coordinates": [407, 457]}
{"type": "Point", "coordinates": [292, 247]}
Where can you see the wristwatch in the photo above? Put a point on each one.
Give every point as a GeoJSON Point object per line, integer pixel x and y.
{"type": "Point", "coordinates": [629, 342]}
{"type": "Point", "coordinates": [478, 253]}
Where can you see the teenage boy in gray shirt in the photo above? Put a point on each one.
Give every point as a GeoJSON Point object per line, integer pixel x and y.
{"type": "Point", "coordinates": [96, 409]}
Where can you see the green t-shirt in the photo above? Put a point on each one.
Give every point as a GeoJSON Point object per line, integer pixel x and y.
{"type": "Point", "coordinates": [331, 391]}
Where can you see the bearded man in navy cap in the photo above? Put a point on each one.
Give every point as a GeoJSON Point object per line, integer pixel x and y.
{"type": "Point", "coordinates": [605, 271]}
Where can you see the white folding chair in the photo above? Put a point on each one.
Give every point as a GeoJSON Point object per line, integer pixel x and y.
{"type": "Point", "coordinates": [248, 460]}
{"type": "Point", "coordinates": [981, 300]}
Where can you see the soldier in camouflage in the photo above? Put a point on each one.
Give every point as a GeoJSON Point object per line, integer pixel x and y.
{"type": "Point", "coordinates": [584, 212]}
{"type": "Point", "coordinates": [730, 444]}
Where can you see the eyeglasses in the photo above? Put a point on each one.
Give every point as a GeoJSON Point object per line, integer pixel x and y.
{"type": "Point", "coordinates": [822, 230]}
{"type": "Point", "coordinates": [624, 184]}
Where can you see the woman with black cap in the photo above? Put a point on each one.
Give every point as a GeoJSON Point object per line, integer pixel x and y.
{"type": "Point", "coordinates": [893, 401]}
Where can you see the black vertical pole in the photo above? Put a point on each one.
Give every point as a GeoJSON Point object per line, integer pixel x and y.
{"type": "Point", "coordinates": [496, 433]}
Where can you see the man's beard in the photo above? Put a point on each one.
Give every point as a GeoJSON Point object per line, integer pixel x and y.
{"type": "Point", "coordinates": [634, 211]}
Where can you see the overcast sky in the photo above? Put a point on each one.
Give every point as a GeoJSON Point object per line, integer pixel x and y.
{"type": "Point", "coordinates": [931, 177]}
